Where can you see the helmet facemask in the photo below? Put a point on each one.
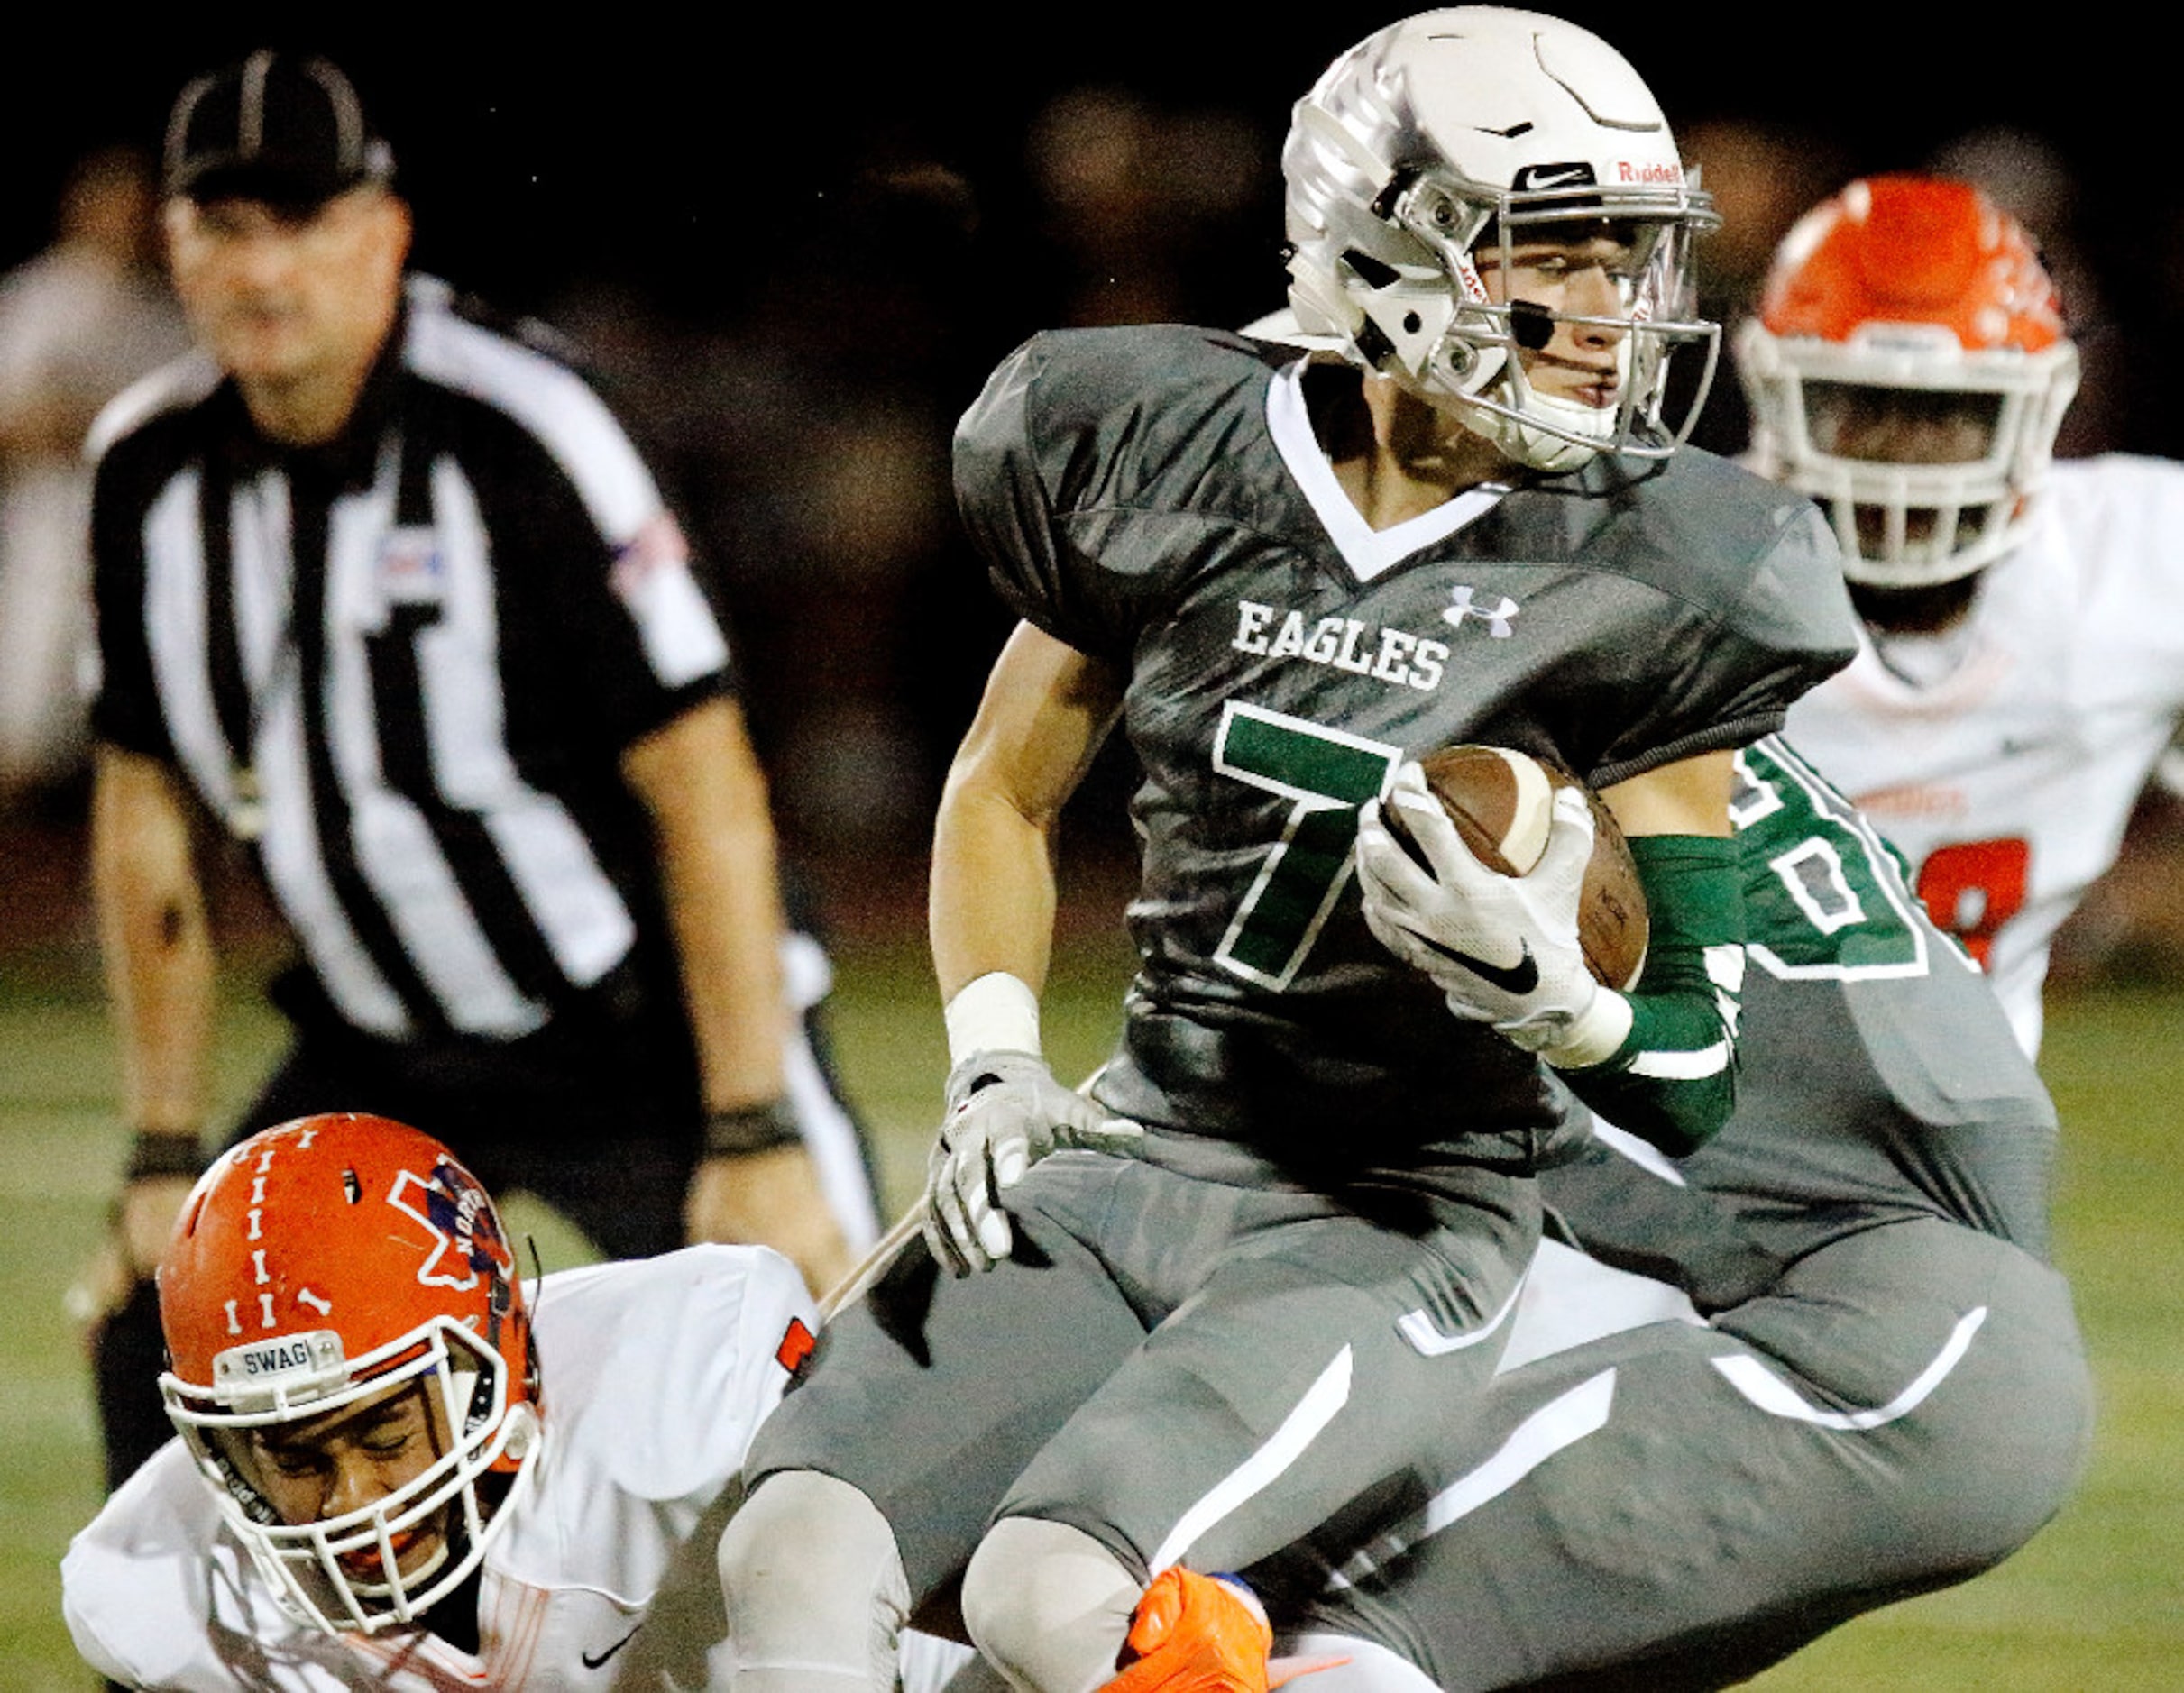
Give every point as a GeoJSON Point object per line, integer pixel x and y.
{"type": "Point", "coordinates": [1477, 362]}
{"type": "Point", "coordinates": [1909, 368]}
{"type": "Point", "coordinates": [344, 1573]}
{"type": "Point", "coordinates": [1932, 514]}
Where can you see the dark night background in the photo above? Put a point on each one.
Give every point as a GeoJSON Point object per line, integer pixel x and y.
{"type": "Point", "coordinates": [795, 240]}
{"type": "Point", "coordinates": [796, 245]}
{"type": "Point", "coordinates": [681, 152]}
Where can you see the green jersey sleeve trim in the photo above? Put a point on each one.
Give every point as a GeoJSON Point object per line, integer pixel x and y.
{"type": "Point", "coordinates": [1673, 1079]}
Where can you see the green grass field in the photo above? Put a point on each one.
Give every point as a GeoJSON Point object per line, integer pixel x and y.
{"type": "Point", "coordinates": [2096, 1602]}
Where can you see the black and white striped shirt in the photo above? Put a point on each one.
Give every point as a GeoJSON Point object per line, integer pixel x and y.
{"type": "Point", "coordinates": [409, 662]}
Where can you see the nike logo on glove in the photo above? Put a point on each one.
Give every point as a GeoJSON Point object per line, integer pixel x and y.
{"type": "Point", "coordinates": [591, 1662]}
{"type": "Point", "coordinates": [1520, 977]}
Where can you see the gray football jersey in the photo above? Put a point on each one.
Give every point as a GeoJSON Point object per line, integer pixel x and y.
{"type": "Point", "coordinates": [1879, 1077]}
{"type": "Point", "coordinates": [1132, 500]}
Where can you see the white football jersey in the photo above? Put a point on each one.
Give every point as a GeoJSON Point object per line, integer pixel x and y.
{"type": "Point", "coordinates": [654, 1374]}
{"type": "Point", "coordinates": [2007, 772]}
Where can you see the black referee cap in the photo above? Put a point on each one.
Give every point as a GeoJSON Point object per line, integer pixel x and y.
{"type": "Point", "coordinates": [280, 127]}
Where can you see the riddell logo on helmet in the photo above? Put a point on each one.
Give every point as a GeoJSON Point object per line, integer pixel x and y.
{"type": "Point", "coordinates": [1627, 171]}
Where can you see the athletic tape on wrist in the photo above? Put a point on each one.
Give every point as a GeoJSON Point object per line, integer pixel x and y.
{"type": "Point", "coordinates": [997, 1013]}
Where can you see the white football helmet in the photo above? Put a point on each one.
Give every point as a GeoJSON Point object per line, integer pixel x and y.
{"type": "Point", "coordinates": [1908, 320]}
{"type": "Point", "coordinates": [317, 1266]}
{"type": "Point", "coordinates": [1441, 136]}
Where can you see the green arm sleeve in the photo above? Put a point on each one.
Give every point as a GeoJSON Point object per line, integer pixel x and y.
{"type": "Point", "coordinates": [1674, 1079]}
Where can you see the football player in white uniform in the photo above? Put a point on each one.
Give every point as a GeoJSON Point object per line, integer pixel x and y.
{"type": "Point", "coordinates": [400, 1468]}
{"type": "Point", "coordinates": [2020, 669]}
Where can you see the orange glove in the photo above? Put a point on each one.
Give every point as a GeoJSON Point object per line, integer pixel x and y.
{"type": "Point", "coordinates": [1195, 1633]}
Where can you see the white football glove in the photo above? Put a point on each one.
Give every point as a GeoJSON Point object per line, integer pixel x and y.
{"type": "Point", "coordinates": [1006, 1111]}
{"type": "Point", "coordinates": [1503, 949]}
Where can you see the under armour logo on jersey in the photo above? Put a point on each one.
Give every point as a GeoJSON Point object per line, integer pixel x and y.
{"type": "Point", "coordinates": [1499, 617]}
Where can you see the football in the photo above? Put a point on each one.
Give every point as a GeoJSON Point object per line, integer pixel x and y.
{"type": "Point", "coordinates": [1502, 802]}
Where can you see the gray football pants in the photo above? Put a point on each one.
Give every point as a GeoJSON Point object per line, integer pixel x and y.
{"type": "Point", "coordinates": [1184, 1369]}
{"type": "Point", "coordinates": [1678, 1506]}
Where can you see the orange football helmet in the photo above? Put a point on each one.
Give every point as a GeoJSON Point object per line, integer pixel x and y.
{"type": "Point", "coordinates": [322, 1263]}
{"type": "Point", "coordinates": [1909, 368]}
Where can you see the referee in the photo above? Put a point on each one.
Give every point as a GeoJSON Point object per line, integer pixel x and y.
{"type": "Point", "coordinates": [387, 594]}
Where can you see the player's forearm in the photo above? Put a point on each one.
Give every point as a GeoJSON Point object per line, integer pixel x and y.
{"type": "Point", "coordinates": [728, 926]}
{"type": "Point", "coordinates": [1688, 797]}
{"type": "Point", "coordinates": [158, 949]}
{"type": "Point", "coordinates": [992, 894]}
{"type": "Point", "coordinates": [708, 799]}
{"type": "Point", "coordinates": [1046, 710]}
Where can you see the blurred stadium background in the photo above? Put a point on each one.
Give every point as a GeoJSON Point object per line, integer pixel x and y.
{"type": "Point", "coordinates": [794, 248]}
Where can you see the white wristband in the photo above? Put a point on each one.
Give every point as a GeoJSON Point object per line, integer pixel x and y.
{"type": "Point", "coordinates": [1594, 1034]}
{"type": "Point", "coordinates": [998, 1013]}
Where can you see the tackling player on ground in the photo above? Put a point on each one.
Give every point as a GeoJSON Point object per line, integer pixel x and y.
{"type": "Point", "coordinates": [1276, 1246]}
{"type": "Point", "coordinates": [2020, 666]}
{"type": "Point", "coordinates": [399, 1470]}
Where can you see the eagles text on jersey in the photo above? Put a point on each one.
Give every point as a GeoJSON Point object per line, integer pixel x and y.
{"type": "Point", "coordinates": [1156, 498]}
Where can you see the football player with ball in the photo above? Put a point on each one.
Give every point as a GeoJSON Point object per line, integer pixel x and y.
{"type": "Point", "coordinates": [1249, 1280]}
{"type": "Point", "coordinates": [1820, 1365]}
{"type": "Point", "coordinates": [402, 1467]}
{"type": "Point", "coordinates": [1887, 1393]}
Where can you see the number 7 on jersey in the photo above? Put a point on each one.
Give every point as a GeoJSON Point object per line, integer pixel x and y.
{"type": "Point", "coordinates": [1328, 773]}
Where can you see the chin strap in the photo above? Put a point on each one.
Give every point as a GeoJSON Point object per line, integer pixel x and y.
{"type": "Point", "coordinates": [1528, 445]}
{"type": "Point", "coordinates": [1509, 413]}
